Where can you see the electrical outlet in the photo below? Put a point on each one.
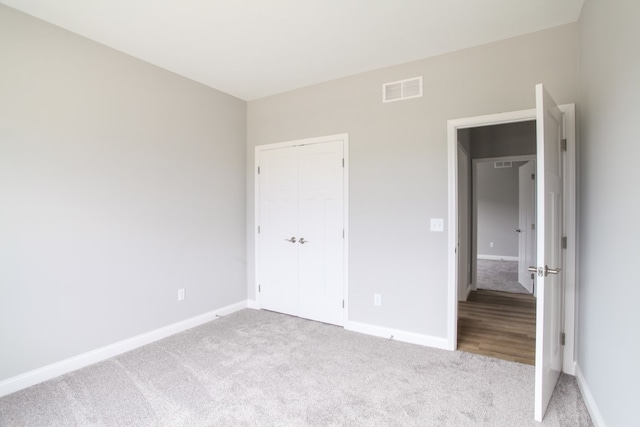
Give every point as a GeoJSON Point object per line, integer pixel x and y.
{"type": "Point", "coordinates": [377, 300]}
{"type": "Point", "coordinates": [490, 244]}
{"type": "Point", "coordinates": [180, 294]}
{"type": "Point", "coordinates": [437, 224]}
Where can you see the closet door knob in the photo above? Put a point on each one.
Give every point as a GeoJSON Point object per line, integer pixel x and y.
{"type": "Point", "coordinates": [302, 241]}
{"type": "Point", "coordinates": [292, 240]}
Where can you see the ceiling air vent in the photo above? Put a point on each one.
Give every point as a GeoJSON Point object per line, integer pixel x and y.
{"type": "Point", "coordinates": [402, 89]}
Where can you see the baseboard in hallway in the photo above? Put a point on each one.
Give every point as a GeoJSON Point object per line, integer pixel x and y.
{"type": "Point", "coordinates": [498, 324]}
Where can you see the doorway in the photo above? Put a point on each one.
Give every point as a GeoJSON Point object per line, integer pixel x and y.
{"type": "Point", "coordinates": [497, 315]}
{"type": "Point", "coordinates": [555, 125]}
{"type": "Point", "coordinates": [503, 218]}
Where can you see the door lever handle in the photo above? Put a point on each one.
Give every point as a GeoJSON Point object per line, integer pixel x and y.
{"type": "Point", "coordinates": [302, 241]}
{"type": "Point", "coordinates": [292, 240]}
{"type": "Point", "coordinates": [548, 270]}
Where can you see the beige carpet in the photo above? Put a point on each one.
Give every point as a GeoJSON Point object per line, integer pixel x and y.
{"type": "Point", "coordinates": [256, 368]}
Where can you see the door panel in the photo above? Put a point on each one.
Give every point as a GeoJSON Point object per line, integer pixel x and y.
{"type": "Point", "coordinates": [321, 224]}
{"type": "Point", "coordinates": [549, 233]}
{"type": "Point", "coordinates": [278, 222]}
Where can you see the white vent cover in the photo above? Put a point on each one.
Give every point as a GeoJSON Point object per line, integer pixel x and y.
{"type": "Point", "coordinates": [499, 165]}
{"type": "Point", "coordinates": [402, 89]}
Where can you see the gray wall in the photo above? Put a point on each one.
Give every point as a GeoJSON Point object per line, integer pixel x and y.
{"type": "Point", "coordinates": [398, 161]}
{"type": "Point", "coordinates": [509, 139]}
{"type": "Point", "coordinates": [498, 210]}
{"type": "Point", "coordinates": [119, 183]}
{"type": "Point", "coordinates": [609, 206]}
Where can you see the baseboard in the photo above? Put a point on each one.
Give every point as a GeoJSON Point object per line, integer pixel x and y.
{"type": "Point", "coordinates": [48, 372]}
{"type": "Point", "coordinates": [499, 257]}
{"type": "Point", "coordinates": [253, 304]}
{"type": "Point", "coordinates": [596, 416]}
{"type": "Point", "coordinates": [397, 334]}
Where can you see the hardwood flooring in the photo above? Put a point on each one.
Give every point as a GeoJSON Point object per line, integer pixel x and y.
{"type": "Point", "coordinates": [498, 324]}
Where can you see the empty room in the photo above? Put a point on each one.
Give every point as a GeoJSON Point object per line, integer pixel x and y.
{"type": "Point", "coordinates": [267, 212]}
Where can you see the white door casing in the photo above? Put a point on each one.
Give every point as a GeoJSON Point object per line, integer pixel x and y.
{"type": "Point", "coordinates": [526, 224]}
{"type": "Point", "coordinates": [549, 187]}
{"type": "Point", "coordinates": [301, 234]}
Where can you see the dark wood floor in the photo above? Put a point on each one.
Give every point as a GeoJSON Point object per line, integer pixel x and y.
{"type": "Point", "coordinates": [498, 324]}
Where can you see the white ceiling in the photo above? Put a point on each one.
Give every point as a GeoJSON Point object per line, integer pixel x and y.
{"type": "Point", "coordinates": [255, 48]}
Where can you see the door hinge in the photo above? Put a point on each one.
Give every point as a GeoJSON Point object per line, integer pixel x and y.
{"type": "Point", "coordinates": [342, 303]}
{"type": "Point", "coordinates": [342, 162]}
{"type": "Point", "coordinates": [533, 226]}
{"type": "Point", "coordinates": [258, 229]}
{"type": "Point", "coordinates": [533, 176]}
{"type": "Point", "coordinates": [564, 242]}
{"type": "Point", "coordinates": [563, 338]}
{"type": "Point", "coordinates": [343, 233]}
{"type": "Point", "coordinates": [259, 289]}
{"type": "Point", "coordinates": [563, 145]}
{"type": "Point", "coordinates": [258, 170]}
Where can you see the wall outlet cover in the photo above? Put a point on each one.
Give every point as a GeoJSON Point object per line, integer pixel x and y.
{"type": "Point", "coordinates": [437, 224]}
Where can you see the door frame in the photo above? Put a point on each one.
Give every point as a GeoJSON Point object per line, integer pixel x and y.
{"type": "Point", "coordinates": [344, 137]}
{"type": "Point", "coordinates": [474, 207]}
{"type": "Point", "coordinates": [569, 219]}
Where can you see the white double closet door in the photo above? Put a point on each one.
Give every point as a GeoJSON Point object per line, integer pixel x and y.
{"type": "Point", "coordinates": [301, 230]}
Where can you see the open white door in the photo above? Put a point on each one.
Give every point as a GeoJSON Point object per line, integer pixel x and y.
{"type": "Point", "coordinates": [526, 224]}
{"type": "Point", "coordinates": [549, 261]}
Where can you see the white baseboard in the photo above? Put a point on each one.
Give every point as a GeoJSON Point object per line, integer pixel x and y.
{"type": "Point", "coordinates": [397, 334]}
{"type": "Point", "coordinates": [499, 257]}
{"type": "Point", "coordinates": [48, 372]}
{"type": "Point", "coordinates": [596, 416]}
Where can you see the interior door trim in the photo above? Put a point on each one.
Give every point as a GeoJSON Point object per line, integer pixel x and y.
{"type": "Point", "coordinates": [344, 137]}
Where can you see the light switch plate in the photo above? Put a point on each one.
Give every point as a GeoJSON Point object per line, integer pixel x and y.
{"type": "Point", "coordinates": [437, 224]}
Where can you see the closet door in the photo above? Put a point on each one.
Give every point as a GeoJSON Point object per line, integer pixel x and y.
{"type": "Point", "coordinates": [301, 219]}
{"type": "Point", "coordinates": [278, 268]}
{"type": "Point", "coordinates": [320, 213]}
